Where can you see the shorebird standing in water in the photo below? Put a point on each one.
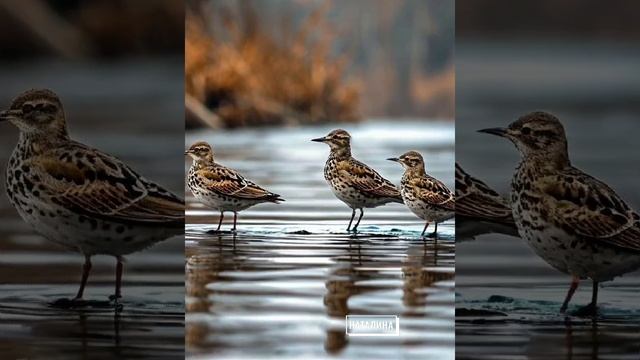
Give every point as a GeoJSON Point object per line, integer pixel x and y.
{"type": "Point", "coordinates": [426, 196]}
{"type": "Point", "coordinates": [79, 197]}
{"type": "Point", "coordinates": [353, 182]}
{"type": "Point", "coordinates": [220, 187]}
{"type": "Point", "coordinates": [573, 221]}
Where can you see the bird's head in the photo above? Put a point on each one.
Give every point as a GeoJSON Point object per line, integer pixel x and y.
{"type": "Point", "coordinates": [37, 112]}
{"type": "Point", "coordinates": [200, 151]}
{"type": "Point", "coordinates": [537, 134]}
{"type": "Point", "coordinates": [410, 160]}
{"type": "Point", "coordinates": [337, 140]}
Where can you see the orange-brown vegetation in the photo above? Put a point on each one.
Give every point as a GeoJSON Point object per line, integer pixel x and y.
{"type": "Point", "coordinates": [241, 74]}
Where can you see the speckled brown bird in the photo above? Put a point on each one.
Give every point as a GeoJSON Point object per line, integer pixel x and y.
{"type": "Point", "coordinates": [354, 183]}
{"type": "Point", "coordinates": [78, 197]}
{"type": "Point", "coordinates": [424, 195]}
{"type": "Point", "coordinates": [576, 223]}
{"type": "Point", "coordinates": [222, 188]}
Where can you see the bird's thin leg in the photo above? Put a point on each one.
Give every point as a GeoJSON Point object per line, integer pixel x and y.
{"type": "Point", "coordinates": [435, 231]}
{"type": "Point", "coordinates": [220, 222]}
{"type": "Point", "coordinates": [119, 268]}
{"type": "Point", "coordinates": [591, 309]}
{"type": "Point", "coordinates": [353, 214]}
{"type": "Point", "coordinates": [572, 289]}
{"type": "Point", "coordinates": [425, 228]}
{"type": "Point", "coordinates": [235, 220]}
{"type": "Point", "coordinates": [355, 228]}
{"type": "Point", "coordinates": [86, 268]}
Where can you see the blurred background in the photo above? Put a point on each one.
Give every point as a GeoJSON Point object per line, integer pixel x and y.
{"type": "Point", "coordinates": [310, 61]}
{"type": "Point", "coordinates": [118, 69]}
{"type": "Point", "coordinates": [578, 60]}
{"type": "Point", "coordinates": [548, 19]}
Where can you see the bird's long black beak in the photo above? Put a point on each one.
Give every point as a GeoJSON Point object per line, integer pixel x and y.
{"type": "Point", "coordinates": [322, 139]}
{"type": "Point", "coordinates": [494, 131]}
{"type": "Point", "coordinates": [394, 159]}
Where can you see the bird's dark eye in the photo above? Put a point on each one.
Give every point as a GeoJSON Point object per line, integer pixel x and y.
{"type": "Point", "coordinates": [27, 108]}
{"type": "Point", "coordinates": [526, 131]}
{"type": "Point", "coordinates": [49, 108]}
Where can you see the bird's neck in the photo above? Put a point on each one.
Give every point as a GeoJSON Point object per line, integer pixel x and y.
{"type": "Point", "coordinates": [342, 153]}
{"type": "Point", "coordinates": [415, 171]}
{"type": "Point", "coordinates": [39, 142]}
{"type": "Point", "coordinates": [548, 161]}
{"type": "Point", "coordinates": [202, 163]}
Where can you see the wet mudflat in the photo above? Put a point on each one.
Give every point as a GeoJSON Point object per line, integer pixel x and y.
{"type": "Point", "coordinates": [281, 287]}
{"type": "Point", "coordinates": [508, 304]}
{"type": "Point", "coordinates": [508, 299]}
{"type": "Point", "coordinates": [134, 111]}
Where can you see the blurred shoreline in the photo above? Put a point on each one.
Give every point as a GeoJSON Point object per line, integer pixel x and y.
{"type": "Point", "coordinates": [251, 63]}
{"type": "Point", "coordinates": [564, 74]}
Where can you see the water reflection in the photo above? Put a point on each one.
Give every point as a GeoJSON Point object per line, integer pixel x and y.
{"type": "Point", "coordinates": [340, 287]}
{"type": "Point", "coordinates": [593, 339]}
{"type": "Point", "coordinates": [554, 338]}
{"type": "Point", "coordinates": [284, 284]}
{"type": "Point", "coordinates": [92, 333]}
{"type": "Point", "coordinates": [244, 290]}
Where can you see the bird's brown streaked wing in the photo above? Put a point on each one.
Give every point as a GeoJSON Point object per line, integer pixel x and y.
{"type": "Point", "coordinates": [229, 182]}
{"type": "Point", "coordinates": [628, 239]}
{"type": "Point", "coordinates": [367, 180]}
{"type": "Point", "coordinates": [434, 192]}
{"type": "Point", "coordinates": [95, 184]}
{"type": "Point", "coordinates": [475, 199]}
{"type": "Point", "coordinates": [156, 205]}
{"type": "Point", "coordinates": [481, 207]}
{"type": "Point", "coordinates": [585, 206]}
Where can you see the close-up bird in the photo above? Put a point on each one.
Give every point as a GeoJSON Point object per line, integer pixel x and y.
{"type": "Point", "coordinates": [79, 197]}
{"type": "Point", "coordinates": [573, 221]}
{"type": "Point", "coordinates": [480, 209]}
{"type": "Point", "coordinates": [424, 195]}
{"type": "Point", "coordinates": [354, 183]}
{"type": "Point", "coordinates": [221, 188]}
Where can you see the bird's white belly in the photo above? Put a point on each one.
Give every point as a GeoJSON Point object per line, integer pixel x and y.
{"type": "Point", "coordinates": [575, 255]}
{"type": "Point", "coordinates": [88, 235]}
{"type": "Point", "coordinates": [354, 198]}
{"type": "Point", "coordinates": [426, 211]}
{"type": "Point", "coordinates": [220, 202]}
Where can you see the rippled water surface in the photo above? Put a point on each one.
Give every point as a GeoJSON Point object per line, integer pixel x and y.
{"type": "Point", "coordinates": [134, 111]}
{"type": "Point", "coordinates": [281, 287]}
{"type": "Point", "coordinates": [507, 297]}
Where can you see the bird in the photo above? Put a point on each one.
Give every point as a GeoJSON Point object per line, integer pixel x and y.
{"type": "Point", "coordinates": [352, 182]}
{"type": "Point", "coordinates": [222, 188]}
{"type": "Point", "coordinates": [480, 209]}
{"type": "Point", "coordinates": [427, 197]}
{"type": "Point", "coordinates": [79, 197]}
{"type": "Point", "coordinates": [573, 221]}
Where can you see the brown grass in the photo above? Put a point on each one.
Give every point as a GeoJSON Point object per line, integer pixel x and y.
{"type": "Point", "coordinates": [248, 75]}
{"type": "Point", "coordinates": [434, 93]}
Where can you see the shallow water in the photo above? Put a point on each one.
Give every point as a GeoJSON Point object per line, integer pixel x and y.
{"type": "Point", "coordinates": [282, 286]}
{"type": "Point", "coordinates": [127, 109]}
{"type": "Point", "coordinates": [589, 87]}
